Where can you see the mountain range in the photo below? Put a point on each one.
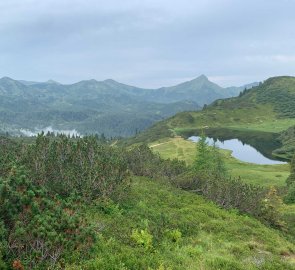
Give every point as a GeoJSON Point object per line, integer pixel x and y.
{"type": "Point", "coordinates": [108, 107]}
{"type": "Point", "coordinates": [267, 109]}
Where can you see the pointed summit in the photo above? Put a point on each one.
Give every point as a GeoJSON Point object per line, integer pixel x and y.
{"type": "Point", "coordinates": [202, 77]}
{"type": "Point", "coordinates": [52, 82]}
{"type": "Point", "coordinates": [6, 79]}
{"type": "Point", "coordinates": [110, 81]}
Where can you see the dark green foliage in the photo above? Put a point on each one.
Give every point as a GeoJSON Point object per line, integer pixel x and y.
{"type": "Point", "coordinates": [209, 160]}
{"type": "Point", "coordinates": [10, 150]}
{"type": "Point", "coordinates": [291, 178]}
{"type": "Point", "coordinates": [143, 162]}
{"type": "Point", "coordinates": [49, 186]}
{"type": "Point", "coordinates": [157, 131]}
{"type": "Point", "coordinates": [290, 197]}
{"type": "Point", "coordinates": [288, 139]}
{"type": "Point", "coordinates": [83, 167]}
{"type": "Point", "coordinates": [233, 193]}
{"type": "Point", "coordinates": [281, 93]}
{"type": "Point", "coordinates": [213, 184]}
{"type": "Point", "coordinates": [45, 187]}
{"type": "Point", "coordinates": [39, 230]}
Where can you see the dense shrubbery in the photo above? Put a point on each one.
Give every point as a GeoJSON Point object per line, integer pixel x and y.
{"type": "Point", "coordinates": [290, 197]}
{"type": "Point", "coordinates": [84, 166]}
{"type": "Point", "coordinates": [10, 151]}
{"type": "Point", "coordinates": [209, 178]}
{"type": "Point", "coordinates": [44, 188]}
{"type": "Point", "coordinates": [234, 194]}
{"type": "Point", "coordinates": [143, 162]}
{"type": "Point", "coordinates": [39, 229]}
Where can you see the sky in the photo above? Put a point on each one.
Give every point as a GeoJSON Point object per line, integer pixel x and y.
{"type": "Point", "coordinates": [147, 43]}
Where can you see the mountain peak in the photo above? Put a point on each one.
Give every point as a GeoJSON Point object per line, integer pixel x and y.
{"type": "Point", "coordinates": [202, 77]}
{"type": "Point", "coordinates": [110, 81]}
{"type": "Point", "coordinates": [8, 82]}
{"type": "Point", "coordinates": [52, 81]}
{"type": "Point", "coordinates": [6, 79]}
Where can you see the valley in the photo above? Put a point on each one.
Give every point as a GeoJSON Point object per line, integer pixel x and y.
{"type": "Point", "coordinates": [101, 107]}
{"type": "Point", "coordinates": [156, 200]}
{"type": "Point", "coordinates": [147, 135]}
{"type": "Point", "coordinates": [254, 112]}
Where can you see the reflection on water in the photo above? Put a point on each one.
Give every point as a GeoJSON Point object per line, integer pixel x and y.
{"type": "Point", "coordinates": [243, 152]}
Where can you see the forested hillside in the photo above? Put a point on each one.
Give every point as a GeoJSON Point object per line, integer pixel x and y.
{"type": "Point", "coordinates": [91, 106]}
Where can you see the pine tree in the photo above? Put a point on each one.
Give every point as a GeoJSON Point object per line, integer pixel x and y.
{"type": "Point", "coordinates": [209, 160]}
{"type": "Point", "coordinates": [202, 160]}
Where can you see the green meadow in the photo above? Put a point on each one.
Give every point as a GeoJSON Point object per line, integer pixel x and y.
{"type": "Point", "coordinates": [264, 175]}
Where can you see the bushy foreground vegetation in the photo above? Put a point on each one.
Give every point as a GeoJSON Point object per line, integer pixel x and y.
{"type": "Point", "coordinates": [209, 178]}
{"type": "Point", "coordinates": [290, 197]}
{"type": "Point", "coordinates": [161, 227]}
{"type": "Point", "coordinates": [44, 189]}
{"type": "Point", "coordinates": [70, 204]}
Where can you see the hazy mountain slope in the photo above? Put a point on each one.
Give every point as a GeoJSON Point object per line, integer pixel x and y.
{"type": "Point", "coordinates": [200, 90]}
{"type": "Point", "coordinates": [269, 107]}
{"type": "Point", "coordinates": [94, 106]}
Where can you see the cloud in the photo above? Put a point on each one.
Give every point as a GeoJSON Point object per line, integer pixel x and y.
{"type": "Point", "coordinates": [147, 42]}
{"type": "Point", "coordinates": [50, 129]}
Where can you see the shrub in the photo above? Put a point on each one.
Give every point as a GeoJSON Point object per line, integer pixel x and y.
{"type": "Point", "coordinates": [290, 197]}
{"type": "Point", "coordinates": [271, 209]}
{"type": "Point", "coordinates": [39, 229]}
{"type": "Point", "coordinates": [174, 235]}
{"type": "Point", "coordinates": [84, 167]}
{"type": "Point", "coordinates": [143, 238]}
{"type": "Point", "coordinates": [143, 162]}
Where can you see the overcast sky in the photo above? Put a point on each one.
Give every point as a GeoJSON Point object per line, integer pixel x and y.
{"type": "Point", "coordinates": [147, 43]}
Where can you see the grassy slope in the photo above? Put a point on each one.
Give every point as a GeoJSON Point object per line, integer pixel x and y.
{"type": "Point", "coordinates": [266, 108]}
{"type": "Point", "coordinates": [265, 175]}
{"type": "Point", "coordinates": [260, 118]}
{"type": "Point", "coordinates": [212, 238]}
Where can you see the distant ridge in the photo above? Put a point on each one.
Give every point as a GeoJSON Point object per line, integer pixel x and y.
{"type": "Point", "coordinates": [92, 106]}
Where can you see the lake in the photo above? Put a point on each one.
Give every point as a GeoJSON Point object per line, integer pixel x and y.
{"type": "Point", "coordinates": [240, 150]}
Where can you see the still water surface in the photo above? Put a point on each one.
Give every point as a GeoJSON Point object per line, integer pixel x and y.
{"type": "Point", "coordinates": [243, 152]}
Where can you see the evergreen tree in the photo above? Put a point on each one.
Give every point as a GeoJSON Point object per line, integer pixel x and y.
{"type": "Point", "coordinates": [202, 160]}
{"type": "Point", "coordinates": [209, 160]}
